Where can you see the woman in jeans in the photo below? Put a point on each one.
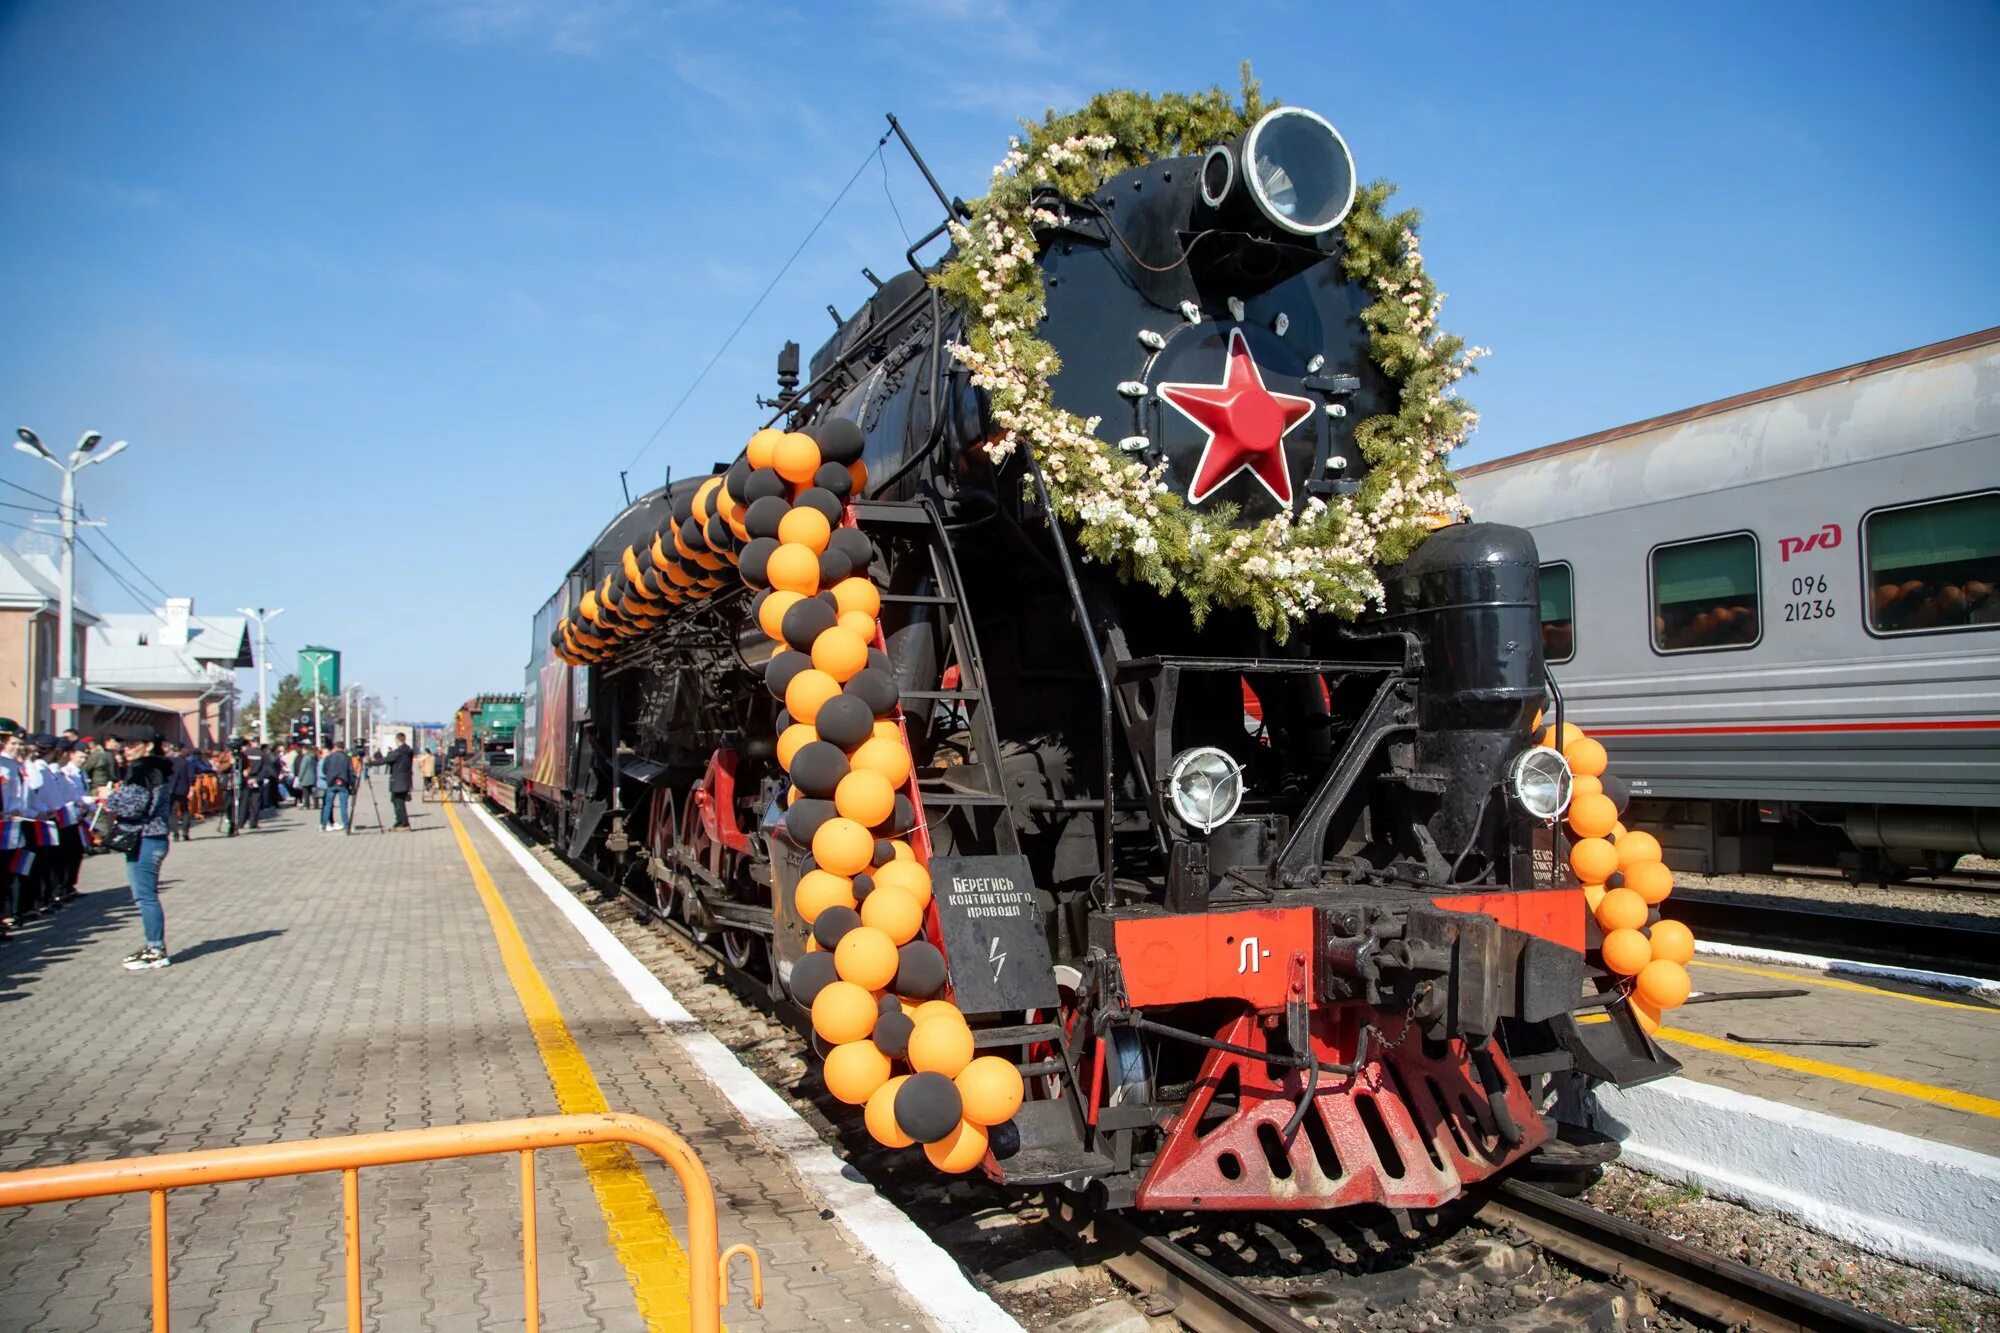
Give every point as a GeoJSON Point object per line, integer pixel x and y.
{"type": "Point", "coordinates": [153, 772]}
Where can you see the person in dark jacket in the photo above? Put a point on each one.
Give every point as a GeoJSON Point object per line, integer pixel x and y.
{"type": "Point", "coordinates": [336, 779]}
{"type": "Point", "coordinates": [398, 762]}
{"type": "Point", "coordinates": [153, 774]}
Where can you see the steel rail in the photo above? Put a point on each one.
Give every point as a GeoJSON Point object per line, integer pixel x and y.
{"type": "Point", "coordinates": [1197, 1293]}
{"type": "Point", "coordinates": [1683, 1275]}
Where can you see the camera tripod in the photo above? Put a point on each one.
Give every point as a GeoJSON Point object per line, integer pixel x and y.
{"type": "Point", "coordinates": [374, 803]}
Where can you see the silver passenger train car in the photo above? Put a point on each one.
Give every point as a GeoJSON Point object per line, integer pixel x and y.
{"type": "Point", "coordinates": [1781, 611]}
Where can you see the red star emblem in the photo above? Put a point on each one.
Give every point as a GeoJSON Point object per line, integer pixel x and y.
{"type": "Point", "coordinates": [1246, 425]}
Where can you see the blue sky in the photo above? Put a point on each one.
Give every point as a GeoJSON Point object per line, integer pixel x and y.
{"type": "Point", "coordinates": [386, 294]}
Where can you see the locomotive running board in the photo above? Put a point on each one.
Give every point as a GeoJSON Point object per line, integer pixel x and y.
{"type": "Point", "coordinates": [1406, 1131]}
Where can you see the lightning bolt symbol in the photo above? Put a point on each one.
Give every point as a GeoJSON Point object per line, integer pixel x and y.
{"type": "Point", "coordinates": [996, 956]}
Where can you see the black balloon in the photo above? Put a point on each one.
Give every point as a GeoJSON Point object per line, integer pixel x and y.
{"type": "Point", "coordinates": [1615, 880]}
{"type": "Point", "coordinates": [892, 1034]}
{"type": "Point", "coordinates": [693, 537]}
{"type": "Point", "coordinates": [864, 884]}
{"type": "Point", "coordinates": [879, 661]}
{"type": "Point", "coordinates": [818, 766]}
{"type": "Point", "coordinates": [887, 1003]}
{"type": "Point", "coordinates": [900, 821]}
{"type": "Point", "coordinates": [835, 478]}
{"type": "Point", "coordinates": [844, 720]}
{"type": "Point", "coordinates": [885, 852]}
{"type": "Point", "coordinates": [805, 622]}
{"type": "Point", "coordinates": [830, 926]}
{"type": "Point", "coordinates": [928, 1107]}
{"type": "Point", "coordinates": [833, 567]}
{"type": "Point", "coordinates": [764, 484]}
{"type": "Point", "coordinates": [804, 817]}
{"type": "Point", "coordinates": [779, 671]}
{"type": "Point", "coordinates": [762, 517]}
{"type": "Point", "coordinates": [839, 441]}
{"type": "Point", "coordinates": [720, 538]}
{"type": "Point", "coordinates": [811, 975]}
{"type": "Point", "coordinates": [875, 688]}
{"type": "Point", "coordinates": [684, 506]}
{"type": "Point", "coordinates": [782, 723]}
{"type": "Point", "coordinates": [851, 543]}
{"type": "Point", "coordinates": [1619, 790]}
{"type": "Point", "coordinates": [919, 970]}
{"type": "Point", "coordinates": [825, 501]}
{"type": "Point", "coordinates": [736, 479]}
{"type": "Point", "coordinates": [821, 1048]}
{"type": "Point", "coordinates": [754, 563]}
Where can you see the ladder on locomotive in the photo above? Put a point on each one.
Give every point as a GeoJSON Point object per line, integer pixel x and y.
{"type": "Point", "coordinates": [913, 529]}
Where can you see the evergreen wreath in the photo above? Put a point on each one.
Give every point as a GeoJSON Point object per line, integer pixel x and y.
{"type": "Point", "coordinates": [1322, 558]}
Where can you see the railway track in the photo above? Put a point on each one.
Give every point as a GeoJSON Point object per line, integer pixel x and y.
{"type": "Point", "coordinates": [1900, 942]}
{"type": "Point", "coordinates": [1173, 1278]}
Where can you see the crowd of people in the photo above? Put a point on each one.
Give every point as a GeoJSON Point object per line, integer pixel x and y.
{"type": "Point", "coordinates": [63, 797]}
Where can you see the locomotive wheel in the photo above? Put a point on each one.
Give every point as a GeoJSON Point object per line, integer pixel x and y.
{"type": "Point", "coordinates": [745, 951]}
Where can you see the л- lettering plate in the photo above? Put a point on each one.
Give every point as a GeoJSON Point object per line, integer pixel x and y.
{"type": "Point", "coordinates": [994, 941]}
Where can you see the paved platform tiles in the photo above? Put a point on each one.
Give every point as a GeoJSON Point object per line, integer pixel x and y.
{"type": "Point", "coordinates": [326, 984]}
{"type": "Point", "coordinates": [1934, 1072]}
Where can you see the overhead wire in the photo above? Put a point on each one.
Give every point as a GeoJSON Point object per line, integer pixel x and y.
{"type": "Point", "coordinates": [755, 305]}
{"type": "Point", "coordinates": [890, 195]}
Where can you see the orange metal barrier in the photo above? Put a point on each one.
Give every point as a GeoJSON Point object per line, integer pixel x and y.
{"type": "Point", "coordinates": [707, 1278]}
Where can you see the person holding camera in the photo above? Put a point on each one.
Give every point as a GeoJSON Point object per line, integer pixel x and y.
{"type": "Point", "coordinates": [336, 780]}
{"type": "Point", "coordinates": [399, 762]}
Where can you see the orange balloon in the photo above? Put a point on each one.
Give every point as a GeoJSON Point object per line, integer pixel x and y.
{"type": "Point", "coordinates": [843, 1012]}
{"type": "Point", "coordinates": [808, 692]}
{"type": "Point", "coordinates": [821, 889]}
{"type": "Point", "coordinates": [855, 1071]}
{"type": "Point", "coordinates": [1593, 894]}
{"type": "Point", "coordinates": [960, 1150]}
{"type": "Point", "coordinates": [990, 1090]}
{"type": "Point", "coordinates": [888, 729]}
{"type": "Point", "coordinates": [866, 957]}
{"type": "Point", "coordinates": [771, 614]}
{"type": "Point", "coordinates": [939, 1045]}
{"type": "Point", "coordinates": [1581, 786]}
{"type": "Point", "coordinates": [1637, 846]}
{"type": "Point", "coordinates": [705, 494]}
{"type": "Point", "coordinates": [762, 445]}
{"type": "Point", "coordinates": [791, 739]}
{"type": "Point", "coordinates": [1651, 880]}
{"type": "Point", "coordinates": [1586, 757]}
{"type": "Point", "coordinates": [1672, 941]}
{"type": "Point", "coordinates": [880, 1115]}
{"type": "Point", "coordinates": [806, 526]}
{"type": "Point", "coordinates": [877, 754]}
{"type": "Point", "coordinates": [893, 912]}
{"type": "Point", "coordinates": [841, 653]}
{"type": "Point", "coordinates": [855, 593]}
{"type": "Point", "coordinates": [843, 846]}
{"type": "Point", "coordinates": [1592, 816]}
{"type": "Point", "coordinates": [858, 470]}
{"type": "Point", "coordinates": [939, 1009]}
{"type": "Point", "coordinates": [796, 457]}
{"type": "Point", "coordinates": [1621, 909]}
{"type": "Point", "coordinates": [1664, 984]}
{"type": "Point", "coordinates": [1594, 860]}
{"type": "Point", "coordinates": [1618, 831]}
{"type": "Point", "coordinates": [1647, 1016]}
{"type": "Point", "coordinates": [794, 568]}
{"type": "Point", "coordinates": [857, 623]}
{"type": "Point", "coordinates": [902, 849]}
{"type": "Point", "coordinates": [1571, 731]}
{"type": "Point", "coordinates": [907, 876]}
{"type": "Point", "coordinates": [865, 797]}
{"type": "Point", "coordinates": [1625, 952]}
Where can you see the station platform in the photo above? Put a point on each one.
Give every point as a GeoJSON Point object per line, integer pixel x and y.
{"type": "Point", "coordinates": [327, 984]}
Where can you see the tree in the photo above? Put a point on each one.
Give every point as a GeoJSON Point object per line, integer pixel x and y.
{"type": "Point", "coordinates": [287, 702]}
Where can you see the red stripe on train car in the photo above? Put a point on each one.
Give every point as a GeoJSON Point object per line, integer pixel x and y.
{"type": "Point", "coordinates": [1794, 728]}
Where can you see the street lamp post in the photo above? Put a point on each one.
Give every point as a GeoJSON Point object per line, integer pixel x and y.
{"type": "Point", "coordinates": [262, 617]}
{"type": "Point", "coordinates": [80, 458]}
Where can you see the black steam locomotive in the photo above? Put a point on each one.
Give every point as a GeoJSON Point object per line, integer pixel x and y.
{"type": "Point", "coordinates": [1261, 922]}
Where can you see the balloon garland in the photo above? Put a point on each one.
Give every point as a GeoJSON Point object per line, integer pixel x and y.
{"type": "Point", "coordinates": [1624, 879]}
{"type": "Point", "coordinates": [873, 977]}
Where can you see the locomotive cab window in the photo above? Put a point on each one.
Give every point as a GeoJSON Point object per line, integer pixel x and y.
{"type": "Point", "coordinates": [1934, 566]}
{"type": "Point", "coordinates": [1558, 612]}
{"type": "Point", "coordinates": [1705, 594]}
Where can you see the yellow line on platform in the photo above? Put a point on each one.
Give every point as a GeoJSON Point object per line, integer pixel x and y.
{"type": "Point", "coordinates": [655, 1265]}
{"type": "Point", "coordinates": [1835, 983]}
{"type": "Point", "coordinates": [1901, 1087]}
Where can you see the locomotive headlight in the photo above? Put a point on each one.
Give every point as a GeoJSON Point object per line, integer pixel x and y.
{"type": "Point", "coordinates": [1540, 780]}
{"type": "Point", "coordinates": [1299, 171]}
{"type": "Point", "coordinates": [1205, 786]}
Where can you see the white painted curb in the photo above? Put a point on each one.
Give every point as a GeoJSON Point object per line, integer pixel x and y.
{"type": "Point", "coordinates": [881, 1230]}
{"type": "Point", "coordinates": [1925, 1203]}
{"type": "Point", "coordinates": [1845, 967]}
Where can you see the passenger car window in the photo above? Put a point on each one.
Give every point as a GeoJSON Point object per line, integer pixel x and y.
{"type": "Point", "coordinates": [1558, 612]}
{"type": "Point", "coordinates": [1705, 594]}
{"type": "Point", "coordinates": [1934, 566]}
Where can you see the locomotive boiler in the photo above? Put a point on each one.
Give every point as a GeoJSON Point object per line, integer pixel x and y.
{"type": "Point", "coordinates": [1238, 907]}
